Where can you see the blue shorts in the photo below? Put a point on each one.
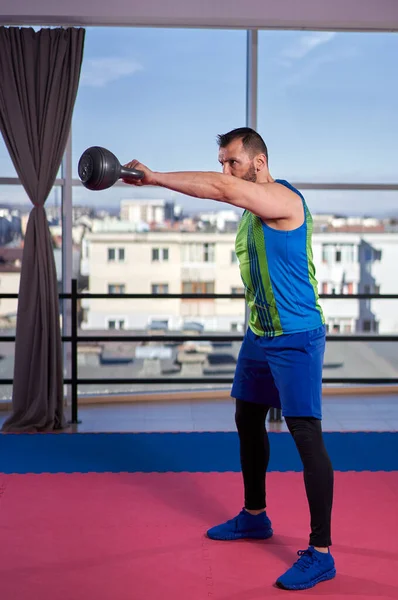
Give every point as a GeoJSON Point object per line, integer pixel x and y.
{"type": "Point", "coordinates": [282, 372]}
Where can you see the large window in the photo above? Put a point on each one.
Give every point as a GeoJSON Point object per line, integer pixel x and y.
{"type": "Point", "coordinates": [327, 105]}
{"type": "Point", "coordinates": [327, 108]}
{"type": "Point", "coordinates": [161, 96]}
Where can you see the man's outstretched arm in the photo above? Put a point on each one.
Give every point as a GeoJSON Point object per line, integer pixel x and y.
{"type": "Point", "coordinates": [266, 200]}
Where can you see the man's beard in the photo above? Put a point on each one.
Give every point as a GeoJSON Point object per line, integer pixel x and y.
{"type": "Point", "coordinates": [250, 174]}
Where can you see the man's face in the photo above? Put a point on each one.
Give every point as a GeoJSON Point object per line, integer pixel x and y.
{"type": "Point", "coordinates": [235, 161]}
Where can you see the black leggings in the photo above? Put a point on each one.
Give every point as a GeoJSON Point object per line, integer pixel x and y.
{"type": "Point", "coordinates": [318, 472]}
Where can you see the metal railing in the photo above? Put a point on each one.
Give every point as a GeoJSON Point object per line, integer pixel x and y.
{"type": "Point", "coordinates": [74, 339]}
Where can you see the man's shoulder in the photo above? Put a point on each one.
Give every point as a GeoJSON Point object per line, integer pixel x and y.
{"type": "Point", "coordinates": [283, 183]}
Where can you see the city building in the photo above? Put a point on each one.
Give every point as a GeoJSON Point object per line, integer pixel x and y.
{"type": "Point", "coordinates": [161, 263]}
{"type": "Point", "coordinates": [205, 263]}
{"type": "Point", "coordinates": [150, 212]}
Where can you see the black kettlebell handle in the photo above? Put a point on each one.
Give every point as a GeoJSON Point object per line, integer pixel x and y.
{"type": "Point", "coordinates": [130, 174]}
{"type": "Point", "coordinates": [99, 169]}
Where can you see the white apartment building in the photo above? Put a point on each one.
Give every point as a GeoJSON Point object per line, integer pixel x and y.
{"type": "Point", "coordinates": [357, 263]}
{"type": "Point", "coordinates": [158, 263]}
{"type": "Point", "coordinates": [144, 211]}
{"type": "Point", "coordinates": [220, 219]}
{"type": "Point", "coordinates": [181, 262]}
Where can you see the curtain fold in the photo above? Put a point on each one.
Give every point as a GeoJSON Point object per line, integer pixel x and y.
{"type": "Point", "coordinates": [39, 78]}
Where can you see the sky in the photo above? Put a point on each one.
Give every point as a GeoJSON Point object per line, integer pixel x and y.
{"type": "Point", "coordinates": [327, 109]}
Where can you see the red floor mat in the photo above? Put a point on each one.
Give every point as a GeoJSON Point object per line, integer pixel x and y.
{"type": "Point", "coordinates": [140, 537]}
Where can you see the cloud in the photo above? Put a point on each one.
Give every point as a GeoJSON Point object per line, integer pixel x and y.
{"type": "Point", "coordinates": [307, 71]}
{"type": "Point", "coordinates": [298, 71]}
{"type": "Point", "coordinates": [302, 72]}
{"type": "Point", "coordinates": [98, 72]}
{"type": "Point", "coordinates": [306, 44]}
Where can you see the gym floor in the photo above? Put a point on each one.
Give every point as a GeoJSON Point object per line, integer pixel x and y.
{"type": "Point", "coordinates": [112, 514]}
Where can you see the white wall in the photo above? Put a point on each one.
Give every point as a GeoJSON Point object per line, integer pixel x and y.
{"type": "Point", "coordinates": [296, 14]}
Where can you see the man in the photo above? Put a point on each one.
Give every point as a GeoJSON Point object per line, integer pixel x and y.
{"type": "Point", "coordinates": [281, 358]}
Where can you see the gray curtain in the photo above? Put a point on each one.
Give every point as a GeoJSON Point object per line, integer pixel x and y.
{"type": "Point", "coordinates": [39, 77]}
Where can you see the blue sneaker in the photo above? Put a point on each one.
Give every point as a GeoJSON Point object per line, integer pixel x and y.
{"type": "Point", "coordinates": [243, 526]}
{"type": "Point", "coordinates": [311, 568]}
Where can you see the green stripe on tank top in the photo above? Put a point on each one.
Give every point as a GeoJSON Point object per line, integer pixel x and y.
{"type": "Point", "coordinates": [246, 250]}
{"type": "Point", "coordinates": [311, 267]}
{"type": "Point", "coordinates": [260, 310]}
{"type": "Point", "coordinates": [242, 239]}
{"type": "Point", "coordinates": [259, 241]}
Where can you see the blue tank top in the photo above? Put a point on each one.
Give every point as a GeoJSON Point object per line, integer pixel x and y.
{"type": "Point", "coordinates": [278, 273]}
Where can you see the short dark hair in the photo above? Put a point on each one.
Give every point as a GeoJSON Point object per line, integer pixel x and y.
{"type": "Point", "coordinates": [252, 141]}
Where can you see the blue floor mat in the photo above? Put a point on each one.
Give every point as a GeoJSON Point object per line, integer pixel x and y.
{"type": "Point", "coordinates": [192, 452]}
